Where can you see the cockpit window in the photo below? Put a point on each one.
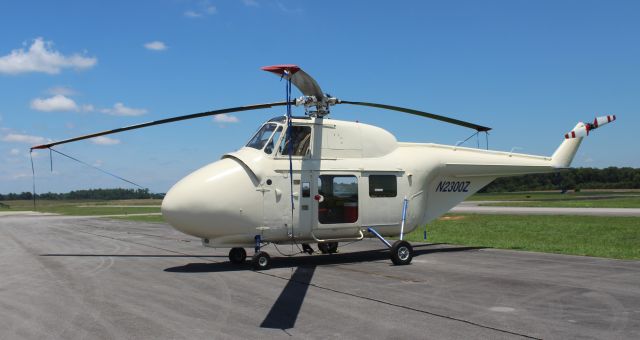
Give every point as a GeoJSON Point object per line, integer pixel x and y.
{"type": "Point", "coordinates": [262, 136]}
{"type": "Point", "coordinates": [273, 141]}
{"type": "Point", "coordinates": [301, 138]}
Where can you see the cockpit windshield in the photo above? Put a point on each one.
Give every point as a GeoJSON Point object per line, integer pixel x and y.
{"type": "Point", "coordinates": [262, 136]}
{"type": "Point", "coordinates": [269, 139]}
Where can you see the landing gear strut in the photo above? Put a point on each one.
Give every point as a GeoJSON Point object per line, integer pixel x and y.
{"type": "Point", "coordinates": [401, 251]}
{"type": "Point", "coordinates": [237, 255]}
{"type": "Point", "coordinates": [260, 260]}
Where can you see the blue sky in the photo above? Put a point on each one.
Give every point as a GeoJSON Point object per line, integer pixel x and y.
{"type": "Point", "coordinates": [529, 69]}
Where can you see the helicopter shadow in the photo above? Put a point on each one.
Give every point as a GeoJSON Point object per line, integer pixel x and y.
{"type": "Point", "coordinates": [284, 311]}
{"type": "Point", "coordinates": [316, 260]}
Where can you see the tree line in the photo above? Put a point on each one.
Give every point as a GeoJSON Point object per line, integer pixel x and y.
{"type": "Point", "coordinates": [572, 179]}
{"type": "Point", "coordinates": [90, 194]}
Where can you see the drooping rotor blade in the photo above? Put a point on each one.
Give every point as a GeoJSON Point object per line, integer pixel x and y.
{"type": "Point", "coordinates": [163, 121]}
{"type": "Point", "coordinates": [476, 127]}
{"type": "Point", "coordinates": [301, 79]}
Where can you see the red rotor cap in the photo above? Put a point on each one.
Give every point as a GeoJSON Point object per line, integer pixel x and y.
{"type": "Point", "coordinates": [281, 69]}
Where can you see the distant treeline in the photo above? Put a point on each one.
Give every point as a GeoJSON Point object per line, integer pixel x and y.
{"type": "Point", "coordinates": [573, 179]}
{"type": "Point", "coordinates": [91, 194]}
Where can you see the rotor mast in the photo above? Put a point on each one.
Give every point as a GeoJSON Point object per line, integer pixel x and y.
{"type": "Point", "coordinates": [316, 103]}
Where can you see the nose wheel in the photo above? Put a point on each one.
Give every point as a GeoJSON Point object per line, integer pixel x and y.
{"type": "Point", "coordinates": [261, 261]}
{"type": "Point", "coordinates": [237, 255]}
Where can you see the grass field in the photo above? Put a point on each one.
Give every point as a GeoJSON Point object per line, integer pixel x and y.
{"type": "Point", "coordinates": [85, 208]}
{"type": "Point", "coordinates": [612, 237]}
{"type": "Point", "coordinates": [597, 199]}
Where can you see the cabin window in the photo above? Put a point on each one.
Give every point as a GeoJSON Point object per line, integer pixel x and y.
{"type": "Point", "coordinates": [339, 199]}
{"type": "Point", "coordinates": [301, 138]}
{"type": "Point", "coordinates": [383, 186]}
{"type": "Point", "coordinates": [262, 136]}
{"type": "Point", "coordinates": [273, 141]}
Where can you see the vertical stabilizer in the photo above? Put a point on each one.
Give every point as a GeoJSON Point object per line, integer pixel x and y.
{"type": "Point", "coordinates": [566, 151]}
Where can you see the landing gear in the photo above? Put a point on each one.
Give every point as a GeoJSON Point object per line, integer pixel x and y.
{"type": "Point", "coordinates": [237, 255]}
{"type": "Point", "coordinates": [328, 247]}
{"type": "Point", "coordinates": [261, 261]}
{"type": "Point", "coordinates": [401, 253]}
{"type": "Point", "coordinates": [307, 248]}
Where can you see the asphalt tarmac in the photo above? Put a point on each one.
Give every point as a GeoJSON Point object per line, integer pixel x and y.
{"type": "Point", "coordinates": [71, 278]}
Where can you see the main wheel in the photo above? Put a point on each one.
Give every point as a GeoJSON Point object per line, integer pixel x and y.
{"type": "Point", "coordinates": [401, 253]}
{"type": "Point", "coordinates": [237, 255]}
{"type": "Point", "coordinates": [328, 247]}
{"type": "Point", "coordinates": [261, 261]}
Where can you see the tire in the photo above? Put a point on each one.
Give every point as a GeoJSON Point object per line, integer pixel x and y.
{"type": "Point", "coordinates": [261, 261]}
{"type": "Point", "coordinates": [328, 247]}
{"type": "Point", "coordinates": [322, 246]}
{"type": "Point", "coordinates": [401, 253]}
{"type": "Point", "coordinates": [237, 255]}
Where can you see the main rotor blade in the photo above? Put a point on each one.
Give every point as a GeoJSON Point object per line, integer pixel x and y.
{"type": "Point", "coordinates": [301, 79]}
{"type": "Point", "coordinates": [163, 121]}
{"type": "Point", "coordinates": [476, 127]}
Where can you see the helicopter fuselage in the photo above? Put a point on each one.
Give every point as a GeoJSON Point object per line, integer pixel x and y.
{"type": "Point", "coordinates": [341, 178]}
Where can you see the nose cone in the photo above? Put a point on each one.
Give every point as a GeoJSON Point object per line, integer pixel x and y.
{"type": "Point", "coordinates": [217, 200]}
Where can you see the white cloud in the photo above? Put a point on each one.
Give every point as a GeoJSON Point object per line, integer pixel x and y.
{"type": "Point", "coordinates": [192, 14]}
{"type": "Point", "coordinates": [120, 110]}
{"type": "Point", "coordinates": [14, 152]}
{"type": "Point", "coordinates": [42, 58]}
{"type": "Point", "coordinates": [20, 138]}
{"type": "Point", "coordinates": [203, 8]}
{"type": "Point", "coordinates": [156, 46]}
{"type": "Point", "coordinates": [225, 118]}
{"type": "Point", "coordinates": [20, 175]}
{"type": "Point", "coordinates": [288, 10]}
{"type": "Point", "coordinates": [62, 90]}
{"type": "Point", "coordinates": [55, 103]}
{"type": "Point", "coordinates": [251, 3]}
{"type": "Point", "coordinates": [102, 140]}
{"type": "Point", "coordinates": [87, 108]}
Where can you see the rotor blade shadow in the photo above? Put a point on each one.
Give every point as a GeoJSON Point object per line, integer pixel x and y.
{"type": "Point", "coordinates": [285, 310]}
{"type": "Point", "coordinates": [317, 260]}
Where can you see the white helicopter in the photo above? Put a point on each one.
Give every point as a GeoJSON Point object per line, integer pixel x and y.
{"type": "Point", "coordinates": [311, 179]}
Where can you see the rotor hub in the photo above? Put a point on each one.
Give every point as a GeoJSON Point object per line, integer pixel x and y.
{"type": "Point", "coordinates": [315, 107]}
